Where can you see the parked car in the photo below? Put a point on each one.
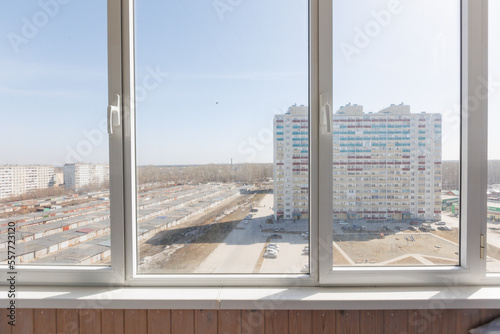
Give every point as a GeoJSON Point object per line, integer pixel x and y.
{"type": "Point", "coordinates": [270, 255]}
{"type": "Point", "coordinates": [272, 244]}
{"type": "Point", "coordinates": [441, 223]}
{"type": "Point", "coordinates": [276, 236]}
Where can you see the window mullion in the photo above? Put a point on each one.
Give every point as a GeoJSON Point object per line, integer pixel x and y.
{"type": "Point", "coordinates": [129, 170]}
{"type": "Point", "coordinates": [115, 139]}
{"type": "Point", "coordinates": [474, 134]}
{"type": "Point", "coordinates": [324, 107]}
{"type": "Point", "coordinates": [474, 177]}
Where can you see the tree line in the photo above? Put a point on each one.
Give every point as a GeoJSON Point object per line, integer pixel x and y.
{"type": "Point", "coordinates": [247, 173]}
{"type": "Point", "coordinates": [451, 173]}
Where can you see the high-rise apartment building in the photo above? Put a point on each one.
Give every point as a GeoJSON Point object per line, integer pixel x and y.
{"type": "Point", "coordinates": [16, 180]}
{"type": "Point", "coordinates": [386, 165]}
{"type": "Point", "coordinates": [291, 164]}
{"type": "Point", "coordinates": [79, 175]}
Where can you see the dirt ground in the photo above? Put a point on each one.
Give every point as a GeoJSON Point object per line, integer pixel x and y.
{"type": "Point", "coordinates": [367, 248]}
{"type": "Point", "coordinates": [339, 259]}
{"type": "Point", "coordinates": [182, 249]}
{"type": "Point", "coordinates": [410, 260]}
{"type": "Point", "coordinates": [493, 251]}
{"type": "Point", "coordinates": [380, 250]}
{"type": "Point", "coordinates": [448, 235]}
{"type": "Point", "coordinates": [441, 261]}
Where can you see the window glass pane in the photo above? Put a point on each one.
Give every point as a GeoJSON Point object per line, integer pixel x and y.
{"type": "Point", "coordinates": [54, 163]}
{"type": "Point", "coordinates": [222, 136]}
{"type": "Point", "coordinates": [493, 205]}
{"type": "Point", "coordinates": [396, 132]}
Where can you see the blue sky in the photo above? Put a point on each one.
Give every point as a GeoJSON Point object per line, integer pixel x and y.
{"type": "Point", "coordinates": [228, 74]}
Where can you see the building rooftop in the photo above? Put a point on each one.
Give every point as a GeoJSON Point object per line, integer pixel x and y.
{"type": "Point", "coordinates": [393, 109]}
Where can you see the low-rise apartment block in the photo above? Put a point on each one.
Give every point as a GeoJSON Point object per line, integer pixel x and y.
{"type": "Point", "coordinates": [79, 175]}
{"type": "Point", "coordinates": [16, 180]}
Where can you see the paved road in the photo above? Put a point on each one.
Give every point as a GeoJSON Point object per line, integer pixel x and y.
{"type": "Point", "coordinates": [493, 228]}
{"type": "Point", "coordinates": [241, 250]}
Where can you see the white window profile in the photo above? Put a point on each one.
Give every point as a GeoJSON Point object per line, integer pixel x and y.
{"type": "Point", "coordinates": [28, 274]}
{"type": "Point", "coordinates": [123, 174]}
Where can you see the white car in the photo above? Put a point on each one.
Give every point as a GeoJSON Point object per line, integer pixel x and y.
{"type": "Point", "coordinates": [245, 222]}
{"type": "Point", "coordinates": [441, 223]}
{"type": "Point", "coordinates": [270, 255]}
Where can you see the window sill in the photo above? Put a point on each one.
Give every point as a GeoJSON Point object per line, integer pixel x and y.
{"type": "Point", "coordinates": [308, 298]}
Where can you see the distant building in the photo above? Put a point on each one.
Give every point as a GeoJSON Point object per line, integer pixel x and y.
{"type": "Point", "coordinates": [452, 193]}
{"type": "Point", "coordinates": [16, 180]}
{"type": "Point", "coordinates": [291, 164]}
{"type": "Point", "coordinates": [386, 165]}
{"type": "Point", "coordinates": [59, 179]}
{"type": "Point", "coordinates": [79, 175]}
{"type": "Point", "coordinates": [494, 190]}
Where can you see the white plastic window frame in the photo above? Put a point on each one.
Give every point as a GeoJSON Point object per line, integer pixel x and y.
{"type": "Point", "coordinates": [122, 272]}
{"type": "Point", "coordinates": [472, 269]}
{"type": "Point", "coordinates": [474, 45]}
{"type": "Point", "coordinates": [114, 273]}
{"type": "Point", "coordinates": [133, 278]}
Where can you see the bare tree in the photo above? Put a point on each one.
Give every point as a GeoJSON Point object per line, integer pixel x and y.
{"type": "Point", "coordinates": [248, 173]}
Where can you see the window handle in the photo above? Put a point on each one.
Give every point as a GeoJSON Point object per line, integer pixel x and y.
{"type": "Point", "coordinates": [326, 113]}
{"type": "Point", "coordinates": [114, 114]}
